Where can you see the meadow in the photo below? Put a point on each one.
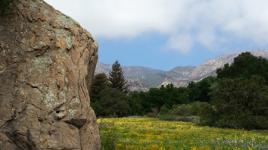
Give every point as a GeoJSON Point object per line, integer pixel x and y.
{"type": "Point", "coordinates": [154, 134]}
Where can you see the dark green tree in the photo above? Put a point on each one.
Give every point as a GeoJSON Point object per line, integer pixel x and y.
{"type": "Point", "coordinates": [200, 91]}
{"type": "Point", "coordinates": [166, 95]}
{"type": "Point", "coordinates": [241, 103]}
{"type": "Point", "coordinates": [117, 78]}
{"type": "Point", "coordinates": [100, 82]}
{"type": "Point", "coordinates": [112, 103]}
{"type": "Point", "coordinates": [109, 99]}
{"type": "Point", "coordinates": [156, 99]}
{"type": "Point", "coordinates": [138, 103]}
{"type": "Point", "coordinates": [245, 66]}
{"type": "Point", "coordinates": [153, 100]}
{"type": "Point", "coordinates": [240, 95]}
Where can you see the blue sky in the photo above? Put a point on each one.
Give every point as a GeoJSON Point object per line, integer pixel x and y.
{"type": "Point", "coordinates": [164, 34]}
{"type": "Point", "coordinates": [149, 50]}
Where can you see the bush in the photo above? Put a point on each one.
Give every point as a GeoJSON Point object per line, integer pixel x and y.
{"type": "Point", "coordinates": [184, 112]}
{"type": "Point", "coordinates": [192, 109]}
{"type": "Point", "coordinates": [207, 115]}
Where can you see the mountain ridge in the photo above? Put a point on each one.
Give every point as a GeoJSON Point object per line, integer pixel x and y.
{"type": "Point", "coordinates": [142, 78]}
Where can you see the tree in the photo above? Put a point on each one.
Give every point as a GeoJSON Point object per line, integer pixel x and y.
{"type": "Point", "coordinates": [166, 95]}
{"type": "Point", "coordinates": [239, 95]}
{"type": "Point", "coordinates": [153, 100]}
{"type": "Point", "coordinates": [117, 78]}
{"type": "Point", "coordinates": [112, 103]}
{"type": "Point", "coordinates": [245, 66]}
{"type": "Point", "coordinates": [108, 95]}
{"type": "Point", "coordinates": [200, 91]}
{"type": "Point", "coordinates": [138, 103]}
{"type": "Point", "coordinates": [241, 103]}
{"type": "Point", "coordinates": [100, 82]}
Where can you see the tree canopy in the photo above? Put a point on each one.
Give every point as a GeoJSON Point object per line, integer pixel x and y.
{"type": "Point", "coordinates": [117, 78]}
{"type": "Point", "coordinates": [245, 66]}
{"type": "Point", "coordinates": [241, 103]}
{"type": "Point", "coordinates": [109, 97]}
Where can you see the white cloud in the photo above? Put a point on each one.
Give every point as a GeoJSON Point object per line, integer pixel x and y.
{"type": "Point", "coordinates": [201, 20]}
{"type": "Point", "coordinates": [182, 43]}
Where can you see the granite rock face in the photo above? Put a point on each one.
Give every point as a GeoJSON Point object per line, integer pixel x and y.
{"type": "Point", "coordinates": [46, 61]}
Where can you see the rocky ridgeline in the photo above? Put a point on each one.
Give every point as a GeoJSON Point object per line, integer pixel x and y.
{"type": "Point", "coordinates": [141, 78]}
{"type": "Point", "coordinates": [46, 61]}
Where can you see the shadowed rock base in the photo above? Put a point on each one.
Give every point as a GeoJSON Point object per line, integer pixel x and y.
{"type": "Point", "coordinates": [45, 58]}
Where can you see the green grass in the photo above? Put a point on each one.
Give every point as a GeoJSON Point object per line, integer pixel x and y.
{"type": "Point", "coordinates": [153, 134]}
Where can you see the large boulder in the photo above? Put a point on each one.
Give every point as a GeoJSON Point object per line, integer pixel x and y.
{"type": "Point", "coordinates": [46, 63]}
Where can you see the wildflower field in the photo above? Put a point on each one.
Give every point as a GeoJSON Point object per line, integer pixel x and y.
{"type": "Point", "coordinates": [153, 134]}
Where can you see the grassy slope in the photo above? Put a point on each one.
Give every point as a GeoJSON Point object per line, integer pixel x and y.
{"type": "Point", "coordinates": [153, 134]}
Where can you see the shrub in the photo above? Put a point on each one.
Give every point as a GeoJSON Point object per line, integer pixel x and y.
{"type": "Point", "coordinates": [184, 112]}
{"type": "Point", "coordinates": [192, 109]}
{"type": "Point", "coordinates": [207, 115]}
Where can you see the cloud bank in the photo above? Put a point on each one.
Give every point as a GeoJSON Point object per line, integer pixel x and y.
{"type": "Point", "coordinates": [210, 23]}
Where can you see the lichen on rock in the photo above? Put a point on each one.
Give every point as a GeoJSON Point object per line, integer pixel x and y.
{"type": "Point", "coordinates": [46, 62]}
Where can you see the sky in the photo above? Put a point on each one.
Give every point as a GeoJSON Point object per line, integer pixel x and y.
{"type": "Point", "coordinates": [163, 34]}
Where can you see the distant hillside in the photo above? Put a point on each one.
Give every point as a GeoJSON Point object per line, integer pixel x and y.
{"type": "Point", "coordinates": [142, 78]}
{"type": "Point", "coordinates": [139, 78]}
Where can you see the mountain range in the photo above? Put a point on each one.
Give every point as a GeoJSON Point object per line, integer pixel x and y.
{"type": "Point", "coordinates": [143, 78]}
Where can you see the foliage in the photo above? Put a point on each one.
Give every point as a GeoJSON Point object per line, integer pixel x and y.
{"type": "Point", "coordinates": [99, 83]}
{"type": "Point", "coordinates": [109, 96]}
{"type": "Point", "coordinates": [241, 103]}
{"type": "Point", "coordinates": [207, 115]}
{"type": "Point", "coordinates": [240, 96]}
{"type": "Point", "coordinates": [236, 98]}
{"type": "Point", "coordinates": [142, 103]}
{"type": "Point", "coordinates": [192, 109]}
{"type": "Point", "coordinates": [153, 134]}
{"type": "Point", "coordinates": [138, 104]}
{"type": "Point", "coordinates": [183, 112]}
{"type": "Point", "coordinates": [116, 77]}
{"type": "Point", "coordinates": [245, 66]}
{"type": "Point", "coordinates": [112, 102]}
{"type": "Point", "coordinates": [199, 91]}
{"type": "Point", "coordinates": [107, 101]}
{"type": "Point", "coordinates": [152, 101]}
